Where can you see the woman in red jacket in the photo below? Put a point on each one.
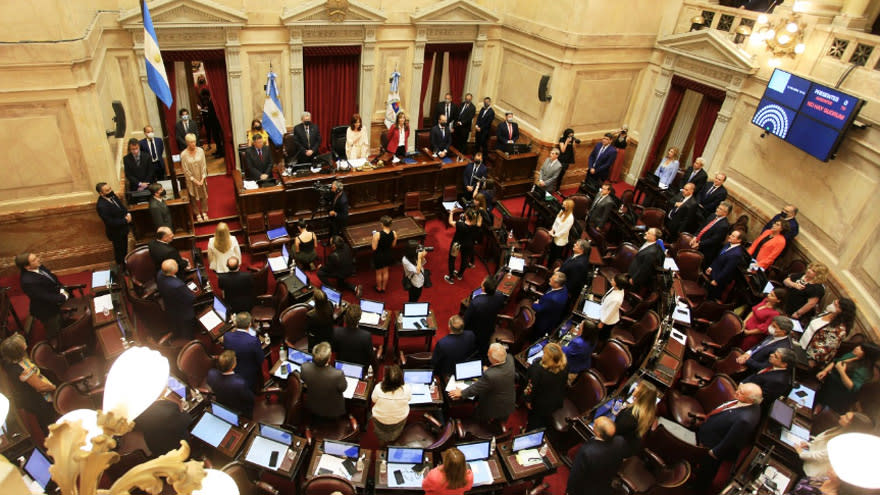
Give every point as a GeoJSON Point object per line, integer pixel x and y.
{"type": "Point", "coordinates": [450, 478]}
{"type": "Point", "coordinates": [769, 245]}
{"type": "Point", "coordinates": [397, 139]}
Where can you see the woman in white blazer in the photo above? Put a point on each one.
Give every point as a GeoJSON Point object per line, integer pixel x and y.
{"type": "Point", "coordinates": [609, 311]}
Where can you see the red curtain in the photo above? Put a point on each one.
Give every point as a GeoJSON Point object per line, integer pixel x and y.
{"type": "Point", "coordinates": [670, 110]}
{"type": "Point", "coordinates": [705, 121]}
{"type": "Point", "coordinates": [170, 114]}
{"type": "Point", "coordinates": [215, 73]}
{"type": "Point", "coordinates": [331, 88]}
{"type": "Point", "coordinates": [426, 78]}
{"type": "Point", "coordinates": [458, 62]}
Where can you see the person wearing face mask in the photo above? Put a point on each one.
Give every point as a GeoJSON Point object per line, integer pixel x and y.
{"type": "Point", "coordinates": [448, 109]}
{"type": "Point", "coordinates": [462, 128]}
{"type": "Point", "coordinates": [154, 148]}
{"type": "Point", "coordinates": [138, 169]}
{"type": "Point", "coordinates": [441, 138]}
{"type": "Point", "coordinates": [256, 130]}
{"type": "Point", "coordinates": [484, 121]}
{"type": "Point", "coordinates": [158, 209]}
{"type": "Point", "coordinates": [474, 173]}
{"type": "Point", "coordinates": [183, 127]}
{"type": "Point", "coordinates": [308, 137]}
{"type": "Point", "coordinates": [116, 218]}
{"type": "Point", "coordinates": [507, 133]}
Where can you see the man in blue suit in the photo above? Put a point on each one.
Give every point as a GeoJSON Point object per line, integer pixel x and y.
{"type": "Point", "coordinates": [441, 138]}
{"type": "Point", "coordinates": [550, 309]}
{"type": "Point", "coordinates": [758, 357]}
{"type": "Point", "coordinates": [483, 125]}
{"type": "Point", "coordinates": [231, 389]}
{"type": "Point", "coordinates": [474, 172]}
{"type": "Point", "coordinates": [711, 234]}
{"type": "Point", "coordinates": [482, 312]}
{"type": "Point", "coordinates": [45, 292]}
{"type": "Point", "coordinates": [178, 299]}
{"type": "Point", "coordinates": [775, 380]}
{"type": "Point", "coordinates": [248, 351]}
{"type": "Point", "coordinates": [154, 148]}
{"type": "Point", "coordinates": [723, 269]}
{"type": "Point", "coordinates": [728, 428]}
{"type": "Point", "coordinates": [601, 159]}
{"type": "Point", "coordinates": [576, 268]}
{"type": "Point", "coordinates": [455, 348]}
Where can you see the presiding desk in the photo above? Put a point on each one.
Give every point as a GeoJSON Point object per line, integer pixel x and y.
{"type": "Point", "coordinates": [360, 236]}
{"type": "Point", "coordinates": [181, 216]}
{"type": "Point", "coordinates": [514, 172]}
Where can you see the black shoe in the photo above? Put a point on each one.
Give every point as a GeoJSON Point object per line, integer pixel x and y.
{"type": "Point", "coordinates": [458, 275]}
{"type": "Point", "coordinates": [448, 279]}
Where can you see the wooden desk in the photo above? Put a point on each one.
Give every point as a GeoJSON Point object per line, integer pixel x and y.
{"type": "Point", "coordinates": [181, 217]}
{"type": "Point", "coordinates": [515, 173]}
{"type": "Point", "coordinates": [360, 236]}
{"type": "Point", "coordinates": [517, 471]}
{"type": "Point", "coordinates": [381, 329]}
{"type": "Point", "coordinates": [358, 479]}
{"type": "Point", "coordinates": [382, 478]}
{"type": "Point", "coordinates": [546, 209]}
{"type": "Point", "coordinates": [427, 333]}
{"type": "Point", "coordinates": [290, 462]}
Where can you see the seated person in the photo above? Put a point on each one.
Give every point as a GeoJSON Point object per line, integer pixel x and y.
{"type": "Point", "coordinates": [231, 389]}
{"type": "Point", "coordinates": [324, 384]}
{"type": "Point", "coordinates": [775, 380]}
{"type": "Point", "coordinates": [249, 354]}
{"type": "Point", "coordinates": [163, 425]}
{"type": "Point", "coordinates": [454, 348]}
{"type": "Point", "coordinates": [340, 265]}
{"type": "Point", "coordinates": [550, 308]}
{"type": "Point", "coordinates": [178, 299]}
{"type": "Point", "coordinates": [258, 160]}
{"type": "Point", "coordinates": [238, 287]}
{"type": "Point", "coordinates": [441, 138]}
{"type": "Point", "coordinates": [495, 391]}
{"type": "Point", "coordinates": [353, 344]}
{"type": "Point", "coordinates": [758, 357]}
{"type": "Point", "coordinates": [161, 250]}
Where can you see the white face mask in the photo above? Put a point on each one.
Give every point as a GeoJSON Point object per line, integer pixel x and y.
{"type": "Point", "coordinates": [831, 308]}
{"type": "Point", "coordinates": [185, 117]}
{"type": "Point", "coordinates": [151, 135]}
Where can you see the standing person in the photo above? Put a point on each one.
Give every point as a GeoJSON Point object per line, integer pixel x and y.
{"type": "Point", "coordinates": [382, 243]}
{"type": "Point", "coordinates": [507, 132]}
{"type": "Point", "coordinates": [814, 453]}
{"type": "Point", "coordinates": [441, 138]}
{"type": "Point", "coordinates": [602, 207]}
{"type": "Point", "coordinates": [482, 312]}
{"type": "Point", "coordinates": [579, 351]}
{"type": "Point", "coordinates": [448, 109]}
{"type": "Point", "coordinates": [414, 270]}
{"type": "Point", "coordinates": [769, 245]}
{"type": "Point", "coordinates": [710, 237]}
{"type": "Point", "coordinates": [338, 209]}
{"type": "Point", "coordinates": [154, 148]}
{"type": "Point", "coordinates": [727, 429]}
{"type": "Point", "coordinates": [609, 309]}
{"type": "Point", "coordinates": [462, 128]}
{"type": "Point", "coordinates": [683, 214]}
{"type": "Point", "coordinates": [560, 230]}
{"type": "Point", "coordinates": [696, 175]}
{"type": "Point", "coordinates": [398, 135]}
{"type": "Point", "coordinates": [756, 325]}
{"type": "Point", "coordinates": [600, 160]}
{"type": "Point", "coordinates": [178, 299]}
{"type": "Point", "coordinates": [183, 127]}
{"type": "Point", "coordinates": [455, 348]}
{"type": "Point", "coordinates": [221, 247]}
{"type": "Point", "coordinates": [805, 290]}
{"type": "Point", "coordinates": [668, 168]}
{"type": "Point", "coordinates": [725, 266]}
{"type": "Point", "coordinates": [44, 291]}
{"type": "Point", "coordinates": [712, 195]}
{"type": "Point", "coordinates": [319, 320]}
{"type": "Point", "coordinates": [230, 388]}
{"type": "Point", "coordinates": [304, 246]}
{"type": "Point", "coordinates": [483, 126]}
{"type": "Point", "coordinates": [619, 143]}
{"type": "Point", "coordinates": [256, 130]}
{"type": "Point", "coordinates": [788, 215]}
{"type": "Point", "coordinates": [324, 384]}
{"type": "Point", "coordinates": [138, 168]}
{"type": "Point", "coordinates": [340, 265]}
{"type": "Point", "coordinates": [843, 378]}
{"type": "Point", "coordinates": [248, 350]}
{"type": "Point", "coordinates": [195, 169]}
{"type": "Point", "coordinates": [258, 160]}
{"type": "Point", "coordinates": [634, 421]}
{"type": "Point", "coordinates": [548, 177]}
{"type": "Point", "coordinates": [495, 391]}
{"type": "Point", "coordinates": [238, 287]}
{"type": "Point", "coordinates": [597, 461]}
{"type": "Point", "coordinates": [643, 269]}
{"type": "Point", "coordinates": [308, 137]}
{"type": "Point", "coordinates": [474, 173]}
{"type": "Point", "coordinates": [550, 308]}
{"type": "Point", "coordinates": [390, 405]}
{"type": "Point", "coordinates": [462, 244]}
{"type": "Point", "coordinates": [357, 141]}
{"type": "Point", "coordinates": [159, 211]}
{"type": "Point", "coordinates": [566, 151]}
{"type": "Point", "coordinates": [576, 268]}
{"type": "Point", "coordinates": [351, 343]}
{"type": "Point", "coordinates": [32, 391]}
{"type": "Point", "coordinates": [546, 387]}
{"type": "Point", "coordinates": [822, 337]}
{"type": "Point", "coordinates": [211, 122]}
{"type": "Point", "coordinates": [116, 219]}
{"type": "Point", "coordinates": [452, 477]}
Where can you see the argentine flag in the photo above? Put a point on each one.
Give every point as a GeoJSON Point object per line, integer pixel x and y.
{"type": "Point", "coordinates": [273, 119]}
{"type": "Point", "coordinates": [156, 77]}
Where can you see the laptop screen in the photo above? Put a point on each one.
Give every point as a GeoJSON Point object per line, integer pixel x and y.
{"type": "Point", "coordinates": [475, 451]}
{"type": "Point", "coordinates": [468, 370]}
{"type": "Point", "coordinates": [334, 297]}
{"type": "Point", "coordinates": [516, 264]}
{"type": "Point", "coordinates": [220, 308]}
{"type": "Point", "coordinates": [100, 278]}
{"type": "Point", "coordinates": [37, 467]}
{"type": "Point", "coordinates": [225, 414]}
{"type": "Point", "coordinates": [211, 429]}
{"type": "Point", "coordinates": [277, 434]}
{"type": "Point", "coordinates": [350, 369]}
{"type": "Point", "coordinates": [415, 309]}
{"type": "Point", "coordinates": [537, 347]}
{"type": "Point", "coordinates": [298, 357]}
{"type": "Point", "coordinates": [528, 441]}
{"type": "Point", "coordinates": [368, 306]}
{"type": "Point", "coordinates": [276, 233]}
{"type": "Point", "coordinates": [405, 455]}
{"type": "Point", "coordinates": [177, 387]}
{"type": "Point", "coordinates": [341, 449]}
{"type": "Point", "coordinates": [285, 254]}
{"type": "Point", "coordinates": [301, 276]}
{"type": "Point", "coordinates": [418, 376]}
{"type": "Point", "coordinates": [782, 413]}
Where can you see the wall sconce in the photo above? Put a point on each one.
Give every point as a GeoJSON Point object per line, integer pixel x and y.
{"type": "Point", "coordinates": [742, 33]}
{"type": "Point", "coordinates": [783, 37]}
{"type": "Point", "coordinates": [697, 23]}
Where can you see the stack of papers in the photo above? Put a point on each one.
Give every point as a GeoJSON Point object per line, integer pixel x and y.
{"type": "Point", "coordinates": [251, 184]}
{"type": "Point", "coordinates": [102, 303]}
{"type": "Point", "coordinates": [210, 320]}
{"type": "Point", "coordinates": [482, 473]}
{"type": "Point", "coordinates": [528, 457]}
{"type": "Point", "coordinates": [669, 264]}
{"type": "Point", "coordinates": [452, 205]}
{"type": "Point", "coordinates": [453, 385]}
{"type": "Point", "coordinates": [682, 313]}
{"type": "Point", "coordinates": [334, 465]}
{"type": "Point", "coordinates": [351, 384]}
{"type": "Point", "coordinates": [277, 264]}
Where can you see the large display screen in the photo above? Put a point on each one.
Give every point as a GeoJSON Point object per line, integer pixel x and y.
{"type": "Point", "coordinates": [808, 115]}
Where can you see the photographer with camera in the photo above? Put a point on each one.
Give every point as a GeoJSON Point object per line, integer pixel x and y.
{"type": "Point", "coordinates": [414, 271]}
{"type": "Point", "coordinates": [566, 149]}
{"type": "Point", "coordinates": [467, 229]}
{"type": "Point", "coordinates": [474, 175]}
{"type": "Point", "coordinates": [338, 209]}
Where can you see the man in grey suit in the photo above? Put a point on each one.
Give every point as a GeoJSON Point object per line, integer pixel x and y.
{"type": "Point", "coordinates": [495, 389]}
{"type": "Point", "coordinates": [602, 207]}
{"type": "Point", "coordinates": [158, 209]}
{"type": "Point", "coordinates": [324, 384]}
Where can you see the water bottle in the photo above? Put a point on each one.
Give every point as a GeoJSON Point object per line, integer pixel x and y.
{"type": "Point", "coordinates": [543, 450]}
{"type": "Point", "coordinates": [369, 372]}
{"type": "Point", "coordinates": [282, 353]}
{"type": "Point", "coordinates": [383, 466]}
{"type": "Point", "coordinates": [510, 239]}
{"type": "Point", "coordinates": [492, 446]}
{"type": "Point", "coordinates": [360, 463]}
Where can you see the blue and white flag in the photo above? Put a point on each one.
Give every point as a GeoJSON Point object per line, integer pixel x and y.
{"type": "Point", "coordinates": [156, 77]}
{"type": "Point", "coordinates": [273, 118]}
{"type": "Point", "coordinates": [393, 106]}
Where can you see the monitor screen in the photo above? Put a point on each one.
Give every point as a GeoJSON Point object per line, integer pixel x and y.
{"type": "Point", "coordinates": [37, 467]}
{"type": "Point", "coordinates": [225, 414]}
{"type": "Point", "coordinates": [220, 308]}
{"type": "Point", "coordinates": [353, 370]}
{"type": "Point", "coordinates": [368, 306]}
{"type": "Point", "coordinates": [332, 296]}
{"type": "Point", "coordinates": [277, 434]}
{"type": "Point", "coordinates": [301, 276]}
{"type": "Point", "coordinates": [415, 309]}
{"type": "Point", "coordinates": [516, 264]}
{"type": "Point", "coordinates": [782, 413]}
{"type": "Point", "coordinates": [341, 449]}
{"type": "Point", "coordinates": [298, 357]}
{"type": "Point", "coordinates": [474, 451]}
{"type": "Point", "coordinates": [476, 292]}
{"type": "Point", "coordinates": [405, 455]}
{"type": "Point", "coordinates": [285, 254]}
{"type": "Point", "coordinates": [537, 347]}
{"type": "Point", "coordinates": [468, 370]}
{"type": "Point", "coordinates": [528, 440]}
{"type": "Point", "coordinates": [211, 429]}
{"type": "Point", "coordinates": [177, 387]}
{"type": "Point", "coordinates": [418, 376]}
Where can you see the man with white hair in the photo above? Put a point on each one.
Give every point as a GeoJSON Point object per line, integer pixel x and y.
{"type": "Point", "coordinates": [729, 427]}
{"type": "Point", "coordinates": [643, 269]}
{"type": "Point", "coordinates": [178, 300]}
{"type": "Point", "coordinates": [495, 391]}
{"type": "Point", "coordinates": [308, 138]}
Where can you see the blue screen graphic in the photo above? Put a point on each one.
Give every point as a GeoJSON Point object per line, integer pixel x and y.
{"type": "Point", "coordinates": [830, 107]}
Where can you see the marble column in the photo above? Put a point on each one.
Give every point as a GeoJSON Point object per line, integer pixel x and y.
{"type": "Point", "coordinates": [296, 93]}
{"type": "Point", "coordinates": [721, 121]}
{"type": "Point", "coordinates": [368, 78]}
{"type": "Point", "coordinates": [183, 81]}
{"type": "Point", "coordinates": [415, 92]}
{"type": "Point", "coordinates": [475, 69]}
{"type": "Point", "coordinates": [233, 82]}
{"type": "Point", "coordinates": [656, 104]}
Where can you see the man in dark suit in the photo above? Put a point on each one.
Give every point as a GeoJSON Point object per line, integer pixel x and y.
{"type": "Point", "coordinates": [138, 168]}
{"type": "Point", "coordinates": [441, 138]}
{"type": "Point", "coordinates": [712, 195]}
{"type": "Point", "coordinates": [643, 268]}
{"type": "Point", "coordinates": [238, 287]}
{"type": "Point", "coordinates": [154, 148]}
{"type": "Point", "coordinates": [779, 332]}
{"type": "Point", "coordinates": [116, 219]}
{"type": "Point", "coordinates": [45, 292]}
{"type": "Point", "coordinates": [576, 268]}
{"type": "Point", "coordinates": [463, 122]}
{"type": "Point", "coordinates": [183, 127]}
{"type": "Point", "coordinates": [351, 343]}
{"type": "Point", "coordinates": [248, 350]}
{"type": "Point", "coordinates": [338, 209]}
{"type": "Point", "coordinates": [483, 125]}
{"type": "Point", "coordinates": [229, 388]}
{"type": "Point", "coordinates": [682, 216]}
{"type": "Point", "coordinates": [455, 348]}
{"type": "Point", "coordinates": [161, 250]}
{"type": "Point", "coordinates": [178, 300]}
{"type": "Point", "coordinates": [602, 207]}
{"type": "Point", "coordinates": [601, 159]}
{"type": "Point", "coordinates": [507, 132]}
{"type": "Point", "coordinates": [482, 312]}
{"type": "Point", "coordinates": [324, 384]}
{"type": "Point", "coordinates": [474, 172]}
{"type": "Point", "coordinates": [163, 424]}
{"type": "Point", "coordinates": [597, 461]}
{"type": "Point", "coordinates": [258, 160]}
{"type": "Point", "coordinates": [159, 211]}
{"type": "Point", "coordinates": [696, 175]}
{"type": "Point", "coordinates": [340, 264]}
{"type": "Point", "coordinates": [724, 267]}
{"type": "Point", "coordinates": [775, 380]}
{"type": "Point", "coordinates": [710, 237]}
{"type": "Point", "coordinates": [447, 108]}
{"type": "Point", "coordinates": [728, 428]}
{"type": "Point", "coordinates": [308, 137]}
{"type": "Point", "coordinates": [495, 390]}
{"type": "Point", "coordinates": [550, 308]}
{"type": "Point", "coordinates": [788, 214]}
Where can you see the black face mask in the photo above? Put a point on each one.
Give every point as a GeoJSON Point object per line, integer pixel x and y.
{"type": "Point", "coordinates": [257, 128]}
{"type": "Point", "coordinates": [478, 162]}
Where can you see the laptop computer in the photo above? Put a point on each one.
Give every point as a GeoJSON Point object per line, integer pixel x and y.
{"type": "Point", "coordinates": [782, 413]}
{"type": "Point", "coordinates": [214, 318]}
{"type": "Point", "coordinates": [415, 316]}
{"type": "Point", "coordinates": [516, 264]}
{"type": "Point", "coordinates": [371, 312]}
{"type": "Point", "coordinates": [37, 467]}
{"type": "Point", "coordinates": [353, 373]}
{"type": "Point", "coordinates": [276, 233]}
{"type": "Point", "coordinates": [225, 414]}
{"type": "Point", "coordinates": [101, 279]}
{"type": "Point", "coordinates": [296, 280]}
{"type": "Point", "coordinates": [468, 372]}
{"type": "Point", "coordinates": [211, 429]}
{"type": "Point", "coordinates": [177, 387]}
{"type": "Point", "coordinates": [536, 351]}
{"type": "Point", "coordinates": [529, 440]}
{"type": "Point", "coordinates": [276, 434]}
{"type": "Point", "coordinates": [419, 384]}
{"type": "Point", "coordinates": [342, 449]}
{"type": "Point", "coordinates": [795, 435]}
{"type": "Point", "coordinates": [591, 310]}
{"type": "Point", "coordinates": [333, 296]}
{"type": "Point", "coordinates": [280, 264]}
{"type": "Point", "coordinates": [476, 454]}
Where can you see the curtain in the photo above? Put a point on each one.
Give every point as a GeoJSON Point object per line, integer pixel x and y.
{"type": "Point", "coordinates": [673, 101]}
{"type": "Point", "coordinates": [705, 122]}
{"type": "Point", "coordinates": [170, 114]}
{"type": "Point", "coordinates": [331, 87]}
{"type": "Point", "coordinates": [215, 73]}
{"type": "Point", "coordinates": [458, 62]}
{"type": "Point", "coordinates": [426, 78]}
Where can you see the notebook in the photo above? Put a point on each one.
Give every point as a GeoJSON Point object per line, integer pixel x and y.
{"type": "Point", "coordinates": [276, 233]}
{"type": "Point", "coordinates": [415, 316]}
{"type": "Point", "coordinates": [371, 312]}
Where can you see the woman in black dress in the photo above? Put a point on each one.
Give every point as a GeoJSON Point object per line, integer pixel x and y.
{"type": "Point", "coordinates": [466, 229]}
{"type": "Point", "coordinates": [636, 419]}
{"type": "Point", "coordinates": [319, 321]}
{"type": "Point", "coordinates": [304, 246]}
{"type": "Point", "coordinates": [547, 384]}
{"type": "Point", "coordinates": [383, 242]}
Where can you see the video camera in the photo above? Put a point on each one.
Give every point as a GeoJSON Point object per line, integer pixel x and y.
{"type": "Point", "coordinates": [423, 248]}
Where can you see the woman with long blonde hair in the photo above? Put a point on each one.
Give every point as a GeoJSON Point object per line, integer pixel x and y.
{"type": "Point", "coordinates": [221, 247]}
{"type": "Point", "coordinates": [559, 231]}
{"type": "Point", "coordinates": [453, 477]}
{"type": "Point", "coordinates": [547, 383]}
{"type": "Point", "coordinates": [634, 421]}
